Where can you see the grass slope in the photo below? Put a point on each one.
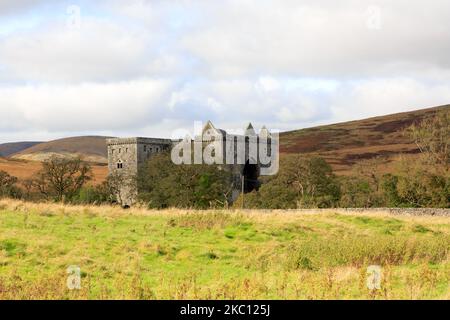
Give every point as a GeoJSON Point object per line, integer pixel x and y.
{"type": "Point", "coordinates": [218, 254]}
{"type": "Point", "coordinates": [344, 144]}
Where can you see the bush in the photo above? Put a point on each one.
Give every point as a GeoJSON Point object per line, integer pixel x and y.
{"type": "Point", "coordinates": [8, 187]}
{"type": "Point", "coordinates": [91, 195]}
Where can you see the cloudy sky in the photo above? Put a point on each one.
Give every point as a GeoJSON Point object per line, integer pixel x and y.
{"type": "Point", "coordinates": [148, 67]}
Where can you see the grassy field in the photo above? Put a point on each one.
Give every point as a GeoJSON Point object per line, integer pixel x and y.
{"type": "Point", "coordinates": [175, 254]}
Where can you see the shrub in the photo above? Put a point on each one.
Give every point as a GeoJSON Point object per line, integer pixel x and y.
{"type": "Point", "coordinates": [8, 187]}
{"type": "Point", "coordinates": [91, 195]}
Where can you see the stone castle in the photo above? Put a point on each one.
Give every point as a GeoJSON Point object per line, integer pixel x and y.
{"type": "Point", "coordinates": [126, 157]}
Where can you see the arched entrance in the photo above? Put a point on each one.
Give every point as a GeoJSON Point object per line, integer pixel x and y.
{"type": "Point", "coordinates": [251, 174]}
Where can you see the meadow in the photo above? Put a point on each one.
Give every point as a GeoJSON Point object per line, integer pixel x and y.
{"type": "Point", "coordinates": [218, 254]}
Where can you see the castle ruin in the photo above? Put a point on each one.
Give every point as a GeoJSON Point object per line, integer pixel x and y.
{"type": "Point", "coordinates": [126, 157]}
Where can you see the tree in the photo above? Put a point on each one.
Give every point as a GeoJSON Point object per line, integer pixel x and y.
{"type": "Point", "coordinates": [357, 193]}
{"type": "Point", "coordinates": [313, 180]}
{"type": "Point", "coordinates": [28, 185]}
{"type": "Point", "coordinates": [432, 137]}
{"type": "Point", "coordinates": [163, 184]}
{"type": "Point", "coordinates": [389, 183]}
{"type": "Point", "coordinates": [301, 182]}
{"type": "Point", "coordinates": [415, 185]}
{"type": "Point", "coordinates": [8, 186]}
{"type": "Point", "coordinates": [369, 170]}
{"type": "Point", "coordinates": [362, 188]}
{"type": "Point", "coordinates": [62, 178]}
{"type": "Point", "coordinates": [426, 181]}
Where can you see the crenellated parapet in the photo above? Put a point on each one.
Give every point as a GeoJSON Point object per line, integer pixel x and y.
{"type": "Point", "coordinates": [137, 140]}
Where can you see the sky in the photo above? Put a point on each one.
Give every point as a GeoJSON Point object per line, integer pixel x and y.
{"type": "Point", "coordinates": [152, 68]}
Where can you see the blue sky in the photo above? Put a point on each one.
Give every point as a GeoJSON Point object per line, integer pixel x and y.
{"type": "Point", "coordinates": [149, 68]}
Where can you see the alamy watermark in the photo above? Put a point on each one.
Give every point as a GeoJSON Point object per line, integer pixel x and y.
{"type": "Point", "coordinates": [74, 278]}
{"type": "Point", "coordinates": [73, 20]}
{"type": "Point", "coordinates": [374, 278]}
{"type": "Point", "coordinates": [374, 17]}
{"type": "Point", "coordinates": [217, 147]}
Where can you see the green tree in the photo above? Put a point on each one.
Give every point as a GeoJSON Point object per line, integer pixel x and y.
{"type": "Point", "coordinates": [419, 185]}
{"type": "Point", "coordinates": [356, 192]}
{"type": "Point", "coordinates": [302, 182]}
{"type": "Point", "coordinates": [362, 188]}
{"type": "Point", "coordinates": [432, 136]}
{"type": "Point", "coordinates": [389, 185]}
{"type": "Point", "coordinates": [425, 181]}
{"type": "Point", "coordinates": [163, 184]}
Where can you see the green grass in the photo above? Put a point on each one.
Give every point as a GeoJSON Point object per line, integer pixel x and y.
{"type": "Point", "coordinates": [136, 254]}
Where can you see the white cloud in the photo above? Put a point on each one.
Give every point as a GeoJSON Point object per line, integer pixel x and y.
{"type": "Point", "coordinates": [99, 51]}
{"type": "Point", "coordinates": [384, 96]}
{"type": "Point", "coordinates": [143, 67]}
{"type": "Point", "coordinates": [15, 6]}
{"type": "Point", "coordinates": [268, 83]}
{"type": "Point", "coordinates": [85, 107]}
{"type": "Point", "coordinates": [316, 38]}
{"type": "Point", "coordinates": [265, 100]}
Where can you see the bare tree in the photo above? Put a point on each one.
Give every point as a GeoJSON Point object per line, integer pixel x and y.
{"type": "Point", "coordinates": [28, 185]}
{"type": "Point", "coordinates": [62, 178]}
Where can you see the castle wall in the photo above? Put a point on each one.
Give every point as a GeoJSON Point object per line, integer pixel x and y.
{"type": "Point", "coordinates": [127, 155]}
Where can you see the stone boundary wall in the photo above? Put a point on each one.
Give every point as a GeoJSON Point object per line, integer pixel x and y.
{"type": "Point", "coordinates": [399, 211]}
{"type": "Point", "coordinates": [438, 212]}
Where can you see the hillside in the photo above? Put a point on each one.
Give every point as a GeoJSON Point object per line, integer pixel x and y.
{"type": "Point", "coordinates": [9, 149]}
{"type": "Point", "coordinates": [344, 144]}
{"type": "Point", "coordinates": [89, 148]}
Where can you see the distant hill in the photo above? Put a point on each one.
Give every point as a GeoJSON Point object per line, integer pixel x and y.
{"type": "Point", "coordinates": [89, 148]}
{"type": "Point", "coordinates": [8, 149]}
{"type": "Point", "coordinates": [341, 144]}
{"type": "Point", "coordinates": [344, 144]}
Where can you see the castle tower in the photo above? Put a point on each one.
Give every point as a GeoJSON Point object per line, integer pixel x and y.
{"type": "Point", "coordinates": [125, 158]}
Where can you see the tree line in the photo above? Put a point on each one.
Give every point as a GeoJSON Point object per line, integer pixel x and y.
{"type": "Point", "coordinates": [419, 181]}
{"type": "Point", "coordinates": [302, 181]}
